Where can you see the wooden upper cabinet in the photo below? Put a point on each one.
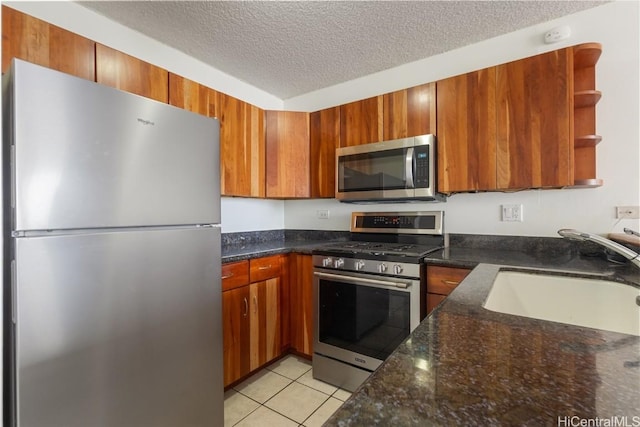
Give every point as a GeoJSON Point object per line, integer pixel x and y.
{"type": "Point", "coordinates": [124, 72]}
{"type": "Point", "coordinates": [324, 138]}
{"type": "Point", "coordinates": [39, 42]}
{"type": "Point", "coordinates": [361, 122]}
{"type": "Point", "coordinates": [534, 129]}
{"type": "Point", "coordinates": [410, 112]}
{"type": "Point", "coordinates": [287, 146]}
{"type": "Point", "coordinates": [191, 96]}
{"type": "Point", "coordinates": [242, 147]}
{"type": "Point", "coordinates": [466, 143]}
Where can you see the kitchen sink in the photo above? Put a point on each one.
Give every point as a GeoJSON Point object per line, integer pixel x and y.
{"type": "Point", "coordinates": [593, 302]}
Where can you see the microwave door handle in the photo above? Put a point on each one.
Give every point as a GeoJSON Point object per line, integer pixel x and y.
{"type": "Point", "coordinates": [408, 168]}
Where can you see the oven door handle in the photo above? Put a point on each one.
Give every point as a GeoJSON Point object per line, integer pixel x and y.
{"type": "Point", "coordinates": [355, 280]}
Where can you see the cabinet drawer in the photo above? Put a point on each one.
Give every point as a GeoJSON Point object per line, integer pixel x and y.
{"type": "Point", "coordinates": [442, 280]}
{"type": "Point", "coordinates": [265, 268]}
{"type": "Point", "coordinates": [235, 274]}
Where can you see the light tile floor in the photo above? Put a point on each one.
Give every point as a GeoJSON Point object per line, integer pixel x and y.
{"type": "Point", "coordinates": [281, 395]}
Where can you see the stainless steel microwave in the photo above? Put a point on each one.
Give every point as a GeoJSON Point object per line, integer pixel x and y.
{"type": "Point", "coordinates": [398, 170]}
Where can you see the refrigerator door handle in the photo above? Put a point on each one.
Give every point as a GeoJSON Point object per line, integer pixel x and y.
{"type": "Point", "coordinates": [14, 297]}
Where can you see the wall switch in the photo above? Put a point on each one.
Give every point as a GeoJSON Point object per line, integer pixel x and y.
{"type": "Point", "coordinates": [512, 213]}
{"type": "Point", "coordinates": [631, 212]}
{"type": "Point", "coordinates": [322, 213]}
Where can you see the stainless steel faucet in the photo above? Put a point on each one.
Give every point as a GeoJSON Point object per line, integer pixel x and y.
{"type": "Point", "coordinates": [571, 234]}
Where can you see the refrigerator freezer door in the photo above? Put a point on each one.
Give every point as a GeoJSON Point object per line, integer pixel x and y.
{"type": "Point", "coordinates": [90, 156]}
{"type": "Point", "coordinates": [120, 329]}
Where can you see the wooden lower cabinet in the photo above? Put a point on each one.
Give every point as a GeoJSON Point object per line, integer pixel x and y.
{"type": "Point", "coordinates": [252, 313]}
{"type": "Point", "coordinates": [441, 281]}
{"type": "Point", "coordinates": [264, 321]}
{"type": "Point", "coordinates": [236, 333]}
{"type": "Point", "coordinates": [301, 306]}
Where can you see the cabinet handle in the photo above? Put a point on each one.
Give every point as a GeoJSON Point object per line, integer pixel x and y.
{"type": "Point", "coordinates": [450, 282]}
{"type": "Point", "coordinates": [246, 307]}
{"type": "Point", "coordinates": [255, 304]}
{"type": "Point", "coordinates": [227, 276]}
{"type": "Point", "coordinates": [264, 267]}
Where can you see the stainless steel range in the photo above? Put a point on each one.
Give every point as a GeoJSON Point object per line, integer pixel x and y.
{"type": "Point", "coordinates": [369, 292]}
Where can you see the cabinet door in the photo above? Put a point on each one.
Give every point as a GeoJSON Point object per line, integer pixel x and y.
{"type": "Point", "coordinates": [287, 147]}
{"type": "Point", "coordinates": [433, 300]}
{"type": "Point", "coordinates": [191, 96]}
{"type": "Point", "coordinates": [441, 281]}
{"type": "Point", "coordinates": [301, 303]}
{"type": "Point", "coordinates": [235, 332]}
{"type": "Point", "coordinates": [534, 122]}
{"type": "Point", "coordinates": [410, 112]}
{"type": "Point", "coordinates": [242, 147]}
{"type": "Point", "coordinates": [466, 145]}
{"type": "Point", "coordinates": [265, 322]}
{"type": "Point", "coordinates": [39, 42]}
{"type": "Point", "coordinates": [361, 122]}
{"type": "Point", "coordinates": [324, 138]}
{"type": "Point", "coordinates": [124, 72]}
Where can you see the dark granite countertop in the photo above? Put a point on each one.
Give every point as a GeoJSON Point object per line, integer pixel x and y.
{"type": "Point", "coordinates": [242, 246]}
{"type": "Point", "coordinates": [466, 365]}
{"type": "Point", "coordinates": [234, 253]}
{"type": "Point", "coordinates": [552, 260]}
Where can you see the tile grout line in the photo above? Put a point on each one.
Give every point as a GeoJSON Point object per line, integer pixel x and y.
{"type": "Point", "coordinates": [304, 385]}
{"type": "Point", "coordinates": [290, 381]}
{"type": "Point", "coordinates": [315, 410]}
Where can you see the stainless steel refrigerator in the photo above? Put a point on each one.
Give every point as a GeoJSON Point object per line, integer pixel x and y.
{"type": "Point", "coordinates": [112, 299]}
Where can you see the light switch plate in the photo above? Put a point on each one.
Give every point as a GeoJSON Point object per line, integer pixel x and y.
{"type": "Point", "coordinates": [512, 213]}
{"type": "Point", "coordinates": [322, 213]}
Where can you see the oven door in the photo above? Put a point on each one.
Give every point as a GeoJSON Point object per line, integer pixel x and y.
{"type": "Point", "coordinates": [360, 319]}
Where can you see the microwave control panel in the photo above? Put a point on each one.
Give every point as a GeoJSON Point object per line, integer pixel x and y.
{"type": "Point", "coordinates": [421, 168]}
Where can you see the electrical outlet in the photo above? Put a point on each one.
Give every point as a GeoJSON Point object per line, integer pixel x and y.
{"type": "Point", "coordinates": [322, 213]}
{"type": "Point", "coordinates": [631, 212]}
{"type": "Point", "coordinates": [512, 213]}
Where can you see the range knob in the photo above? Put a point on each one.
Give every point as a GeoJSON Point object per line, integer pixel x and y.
{"type": "Point", "coordinates": [338, 263]}
{"type": "Point", "coordinates": [359, 265]}
{"type": "Point", "coordinates": [382, 267]}
{"type": "Point", "coordinates": [327, 262]}
{"type": "Point", "coordinates": [397, 269]}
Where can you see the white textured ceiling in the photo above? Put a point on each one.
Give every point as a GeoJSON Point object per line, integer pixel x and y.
{"type": "Point", "coordinates": [295, 47]}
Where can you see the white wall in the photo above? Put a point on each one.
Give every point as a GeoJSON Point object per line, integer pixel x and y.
{"type": "Point", "coordinates": [615, 25]}
{"type": "Point", "coordinates": [241, 214]}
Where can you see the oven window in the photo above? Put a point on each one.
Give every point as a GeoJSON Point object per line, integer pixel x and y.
{"type": "Point", "coordinates": [363, 319]}
{"type": "Point", "coordinates": [373, 171]}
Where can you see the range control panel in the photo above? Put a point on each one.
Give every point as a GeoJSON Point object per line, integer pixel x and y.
{"type": "Point", "coordinates": [386, 268]}
{"type": "Point", "coordinates": [398, 222]}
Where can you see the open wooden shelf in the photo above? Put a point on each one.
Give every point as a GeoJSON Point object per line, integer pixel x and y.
{"type": "Point", "coordinates": [587, 141]}
{"type": "Point", "coordinates": [585, 98]}
{"type": "Point", "coordinates": [586, 55]}
{"type": "Point", "coordinates": [587, 183]}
